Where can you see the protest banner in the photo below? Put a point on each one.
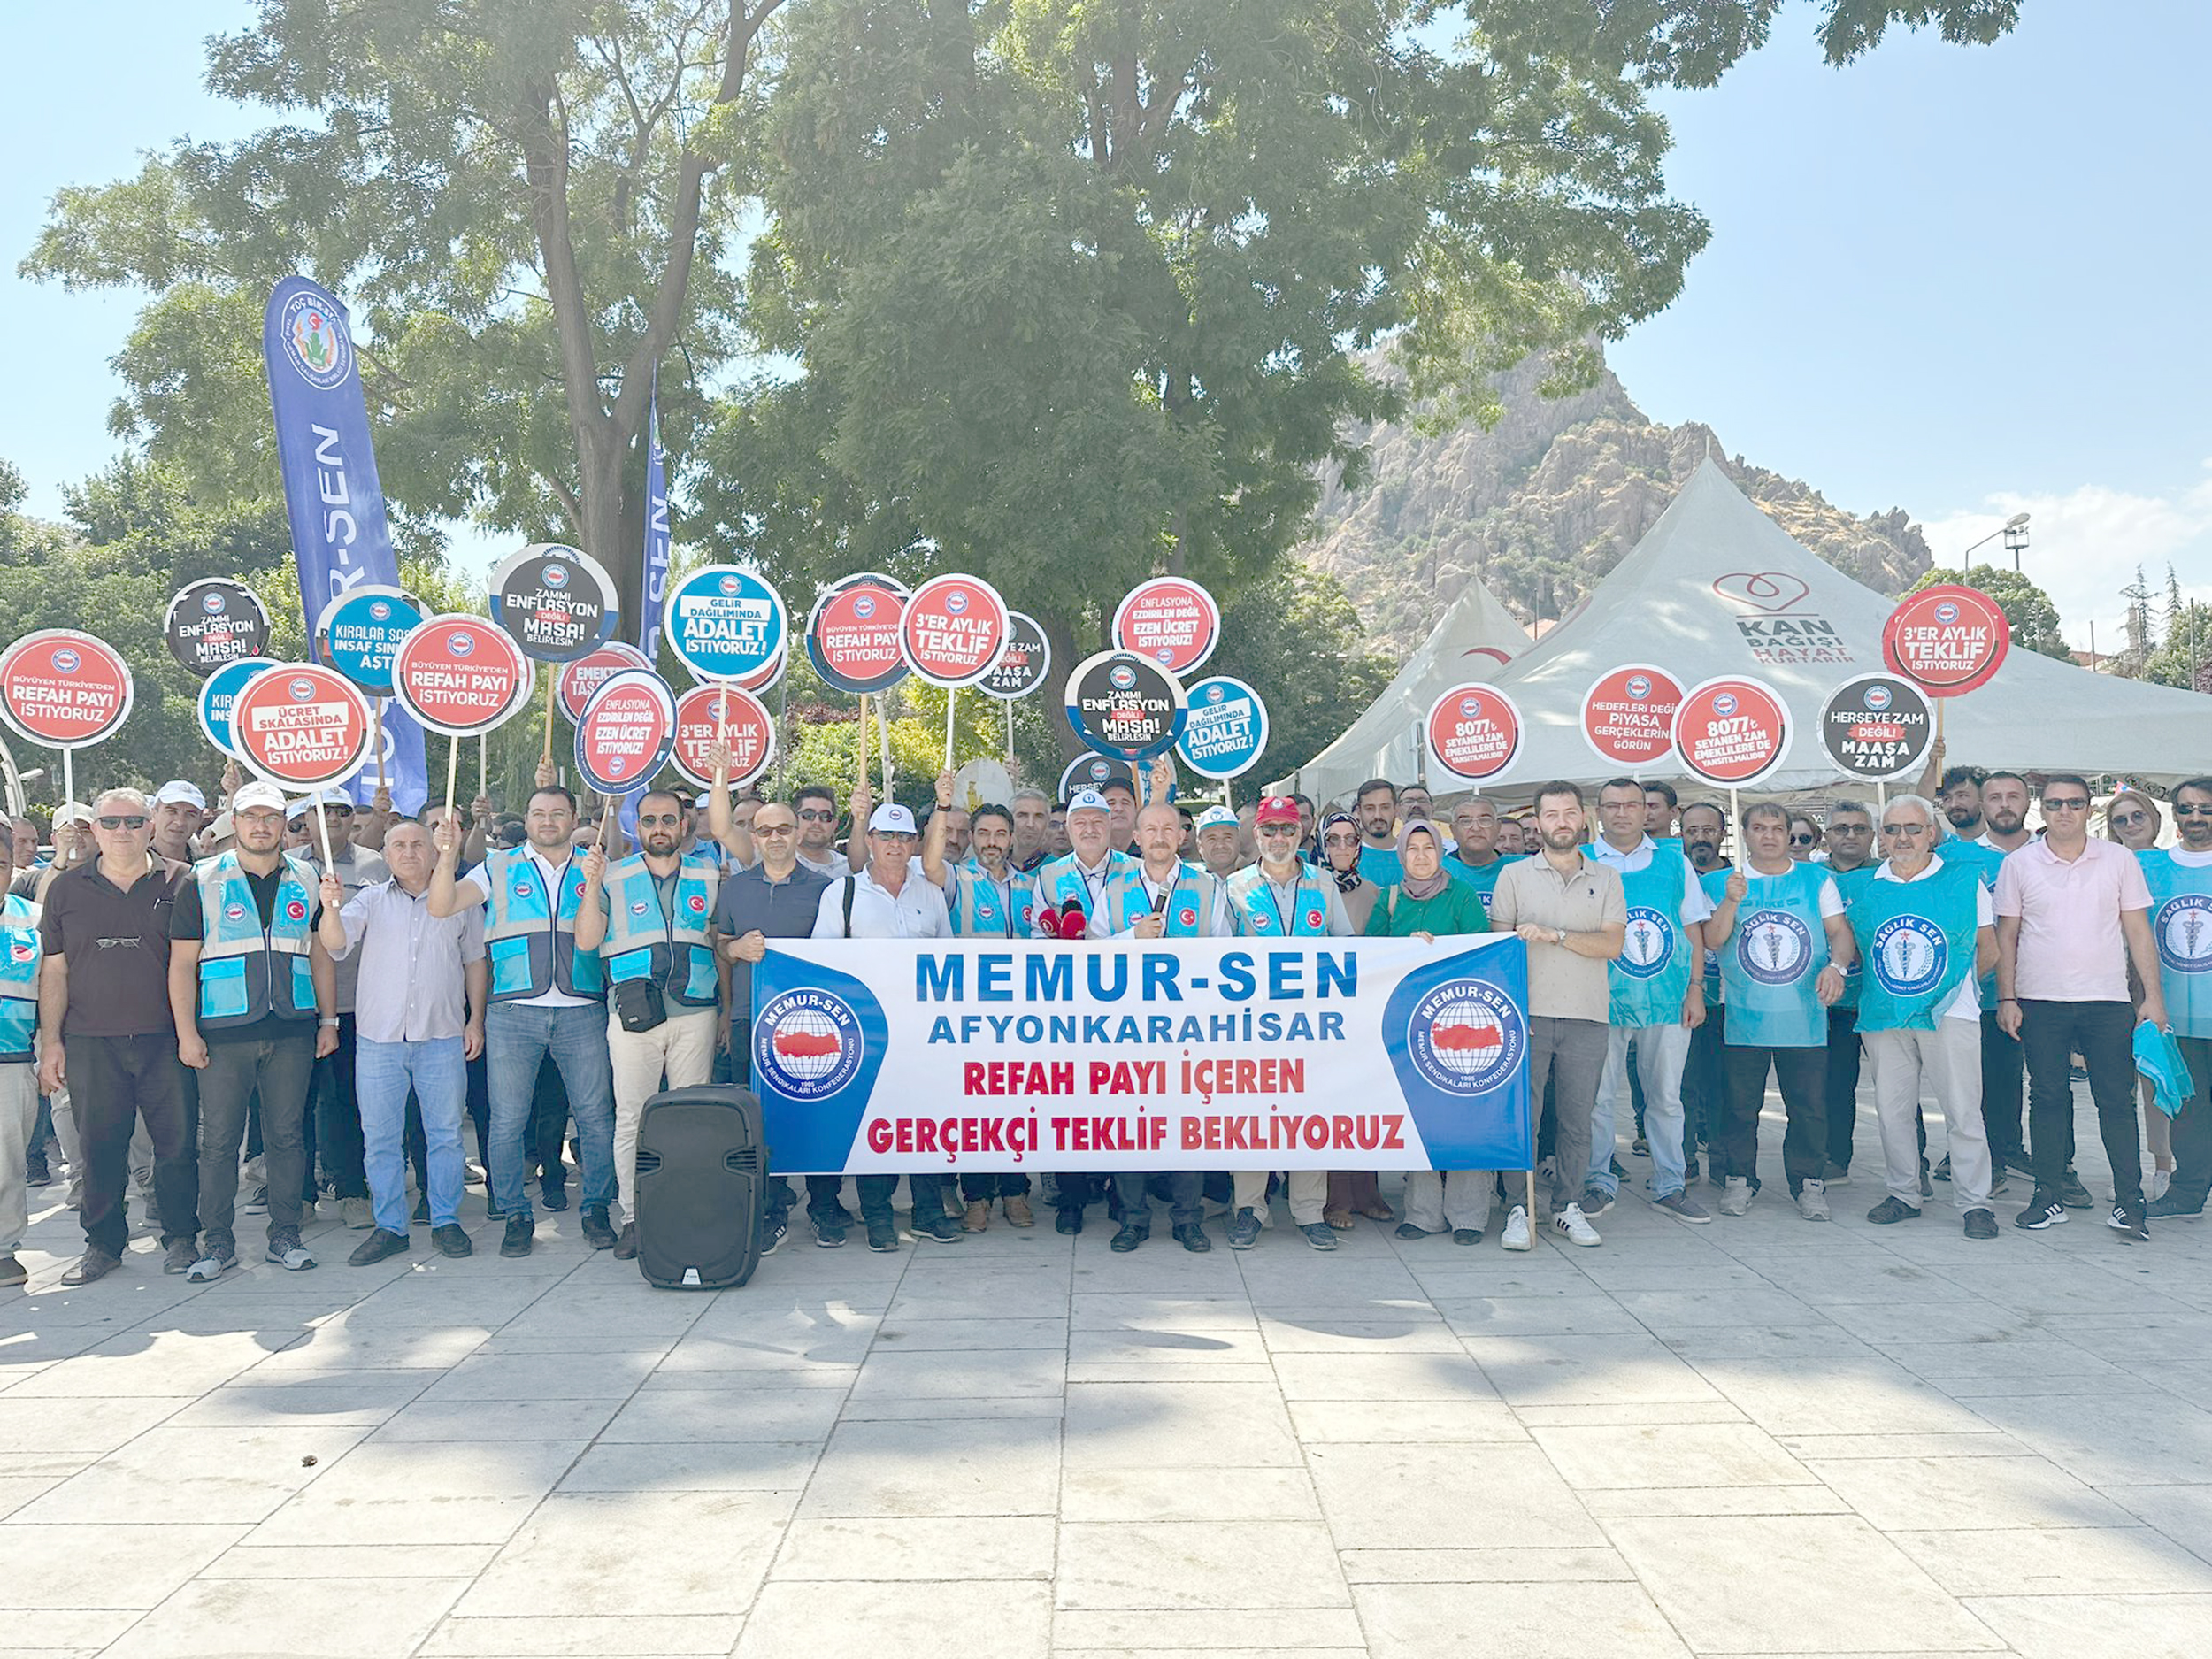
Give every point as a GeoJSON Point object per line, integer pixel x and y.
{"type": "Point", "coordinates": [358, 633]}
{"type": "Point", "coordinates": [726, 626]}
{"type": "Point", "coordinates": [1094, 771]}
{"type": "Point", "coordinates": [852, 635]}
{"type": "Point", "coordinates": [218, 693]}
{"type": "Point", "coordinates": [1628, 716]}
{"type": "Point", "coordinates": [1169, 619]}
{"type": "Point", "coordinates": [973, 1055]}
{"type": "Point", "coordinates": [1474, 730]}
{"type": "Point", "coordinates": [1226, 730]}
{"type": "Point", "coordinates": [64, 690]}
{"type": "Point", "coordinates": [625, 732]}
{"type": "Point", "coordinates": [558, 603]}
{"type": "Point", "coordinates": [1124, 705]}
{"type": "Point", "coordinates": [1877, 728]}
{"type": "Point", "coordinates": [577, 681]}
{"type": "Point", "coordinates": [739, 717]}
{"type": "Point", "coordinates": [302, 725]}
{"type": "Point", "coordinates": [213, 622]}
{"type": "Point", "coordinates": [460, 676]}
{"type": "Point", "coordinates": [1948, 640]}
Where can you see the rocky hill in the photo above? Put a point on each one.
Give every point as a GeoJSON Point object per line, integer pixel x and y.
{"type": "Point", "coordinates": [1544, 504]}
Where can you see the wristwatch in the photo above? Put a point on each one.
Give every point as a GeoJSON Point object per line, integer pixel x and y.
{"type": "Point", "coordinates": [1559, 935]}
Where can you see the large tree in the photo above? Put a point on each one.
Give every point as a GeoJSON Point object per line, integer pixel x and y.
{"type": "Point", "coordinates": [534, 200]}
{"type": "Point", "coordinates": [2033, 617]}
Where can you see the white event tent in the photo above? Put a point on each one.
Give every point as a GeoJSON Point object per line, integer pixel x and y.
{"type": "Point", "coordinates": [1718, 588]}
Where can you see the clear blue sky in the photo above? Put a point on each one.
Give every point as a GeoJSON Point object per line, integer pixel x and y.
{"type": "Point", "coordinates": [1958, 280]}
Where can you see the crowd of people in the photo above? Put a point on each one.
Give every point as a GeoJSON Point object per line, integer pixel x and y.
{"type": "Point", "coordinates": [277, 1005]}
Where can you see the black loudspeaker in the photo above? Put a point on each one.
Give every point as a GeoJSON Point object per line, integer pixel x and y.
{"type": "Point", "coordinates": [699, 1175]}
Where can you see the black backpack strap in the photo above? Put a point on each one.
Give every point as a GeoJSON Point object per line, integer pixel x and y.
{"type": "Point", "coordinates": [851, 885]}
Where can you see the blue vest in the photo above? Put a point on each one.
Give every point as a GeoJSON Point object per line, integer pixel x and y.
{"type": "Point", "coordinates": [645, 942]}
{"type": "Point", "coordinates": [1770, 964]}
{"type": "Point", "coordinates": [1484, 880]}
{"type": "Point", "coordinates": [1651, 976]}
{"type": "Point", "coordinates": [1061, 882]}
{"type": "Point", "coordinates": [1984, 862]}
{"type": "Point", "coordinates": [530, 941]}
{"type": "Point", "coordinates": [1252, 898]}
{"type": "Point", "coordinates": [984, 908]}
{"type": "Point", "coordinates": [248, 972]}
{"type": "Point", "coordinates": [1916, 940]}
{"type": "Point", "coordinates": [2181, 923]}
{"type": "Point", "coordinates": [1190, 902]}
{"type": "Point", "coordinates": [1381, 864]}
{"type": "Point", "coordinates": [1849, 884]}
{"type": "Point", "coordinates": [21, 951]}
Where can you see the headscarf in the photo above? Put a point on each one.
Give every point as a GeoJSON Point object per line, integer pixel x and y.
{"type": "Point", "coordinates": [1346, 880]}
{"type": "Point", "coordinates": [1416, 888]}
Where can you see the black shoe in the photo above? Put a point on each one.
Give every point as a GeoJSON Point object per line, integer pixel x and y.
{"type": "Point", "coordinates": [938, 1229]}
{"type": "Point", "coordinates": [1890, 1211]}
{"type": "Point", "coordinates": [422, 1210]}
{"type": "Point", "coordinates": [36, 1173]}
{"type": "Point", "coordinates": [1981, 1224]}
{"type": "Point", "coordinates": [521, 1234]}
{"type": "Point", "coordinates": [2043, 1211]}
{"type": "Point", "coordinates": [2019, 1162]}
{"type": "Point", "coordinates": [2072, 1193]}
{"type": "Point", "coordinates": [1466, 1235]}
{"type": "Point", "coordinates": [625, 1246]}
{"type": "Point", "coordinates": [91, 1266]}
{"type": "Point", "coordinates": [451, 1242]}
{"type": "Point", "coordinates": [2127, 1220]}
{"type": "Point", "coordinates": [1070, 1222]}
{"type": "Point", "coordinates": [1640, 1146]}
{"type": "Point", "coordinates": [598, 1231]}
{"type": "Point", "coordinates": [1619, 1174]}
{"type": "Point", "coordinates": [378, 1246]}
{"type": "Point", "coordinates": [1943, 1170]}
{"type": "Point", "coordinates": [1193, 1238]}
{"type": "Point", "coordinates": [1128, 1239]}
{"type": "Point", "coordinates": [828, 1236]}
{"type": "Point", "coordinates": [1409, 1232]}
{"type": "Point", "coordinates": [1244, 1229]}
{"type": "Point", "coordinates": [771, 1235]}
{"type": "Point", "coordinates": [555, 1194]}
{"type": "Point", "coordinates": [883, 1238]}
{"type": "Point", "coordinates": [2176, 1206]}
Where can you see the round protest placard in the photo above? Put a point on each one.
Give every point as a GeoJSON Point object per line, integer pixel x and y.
{"type": "Point", "coordinates": [1877, 727]}
{"type": "Point", "coordinates": [459, 675]}
{"type": "Point", "coordinates": [1094, 771]}
{"type": "Point", "coordinates": [1023, 665]}
{"type": "Point", "coordinates": [62, 690]}
{"type": "Point", "coordinates": [360, 632]}
{"type": "Point", "coordinates": [300, 725]}
{"type": "Point", "coordinates": [1121, 703]}
{"type": "Point", "coordinates": [1732, 732]}
{"type": "Point", "coordinates": [556, 601]}
{"type": "Point", "coordinates": [1947, 640]}
{"type": "Point", "coordinates": [577, 681]}
{"type": "Point", "coordinates": [627, 731]}
{"type": "Point", "coordinates": [725, 623]}
{"type": "Point", "coordinates": [741, 719]}
{"type": "Point", "coordinates": [1226, 728]}
{"type": "Point", "coordinates": [852, 635]}
{"type": "Point", "coordinates": [217, 691]}
{"type": "Point", "coordinates": [1474, 730]}
{"type": "Point", "coordinates": [1169, 619]}
{"type": "Point", "coordinates": [953, 631]}
{"type": "Point", "coordinates": [766, 675]}
{"type": "Point", "coordinates": [213, 622]}
{"type": "Point", "coordinates": [1628, 716]}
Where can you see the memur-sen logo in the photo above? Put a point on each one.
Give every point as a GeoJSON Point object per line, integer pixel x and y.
{"type": "Point", "coordinates": [1465, 1037]}
{"type": "Point", "coordinates": [315, 342]}
{"type": "Point", "coordinates": [808, 1042]}
{"type": "Point", "coordinates": [1775, 618]}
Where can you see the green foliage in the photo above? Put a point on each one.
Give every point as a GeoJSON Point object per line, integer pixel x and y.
{"type": "Point", "coordinates": [2184, 658]}
{"type": "Point", "coordinates": [1295, 640]}
{"type": "Point", "coordinates": [2033, 617]}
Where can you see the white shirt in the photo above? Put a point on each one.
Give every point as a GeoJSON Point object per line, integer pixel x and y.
{"type": "Point", "coordinates": [1696, 903]}
{"type": "Point", "coordinates": [1966, 1001]}
{"type": "Point", "coordinates": [917, 910]}
{"type": "Point", "coordinates": [413, 983]}
{"type": "Point", "coordinates": [477, 882]}
{"type": "Point", "coordinates": [2189, 860]}
{"type": "Point", "coordinates": [1094, 881]}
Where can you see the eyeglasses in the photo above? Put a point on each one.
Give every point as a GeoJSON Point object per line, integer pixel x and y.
{"type": "Point", "coordinates": [815, 815]}
{"type": "Point", "coordinates": [118, 821]}
{"type": "Point", "coordinates": [1905, 829]}
{"type": "Point", "coordinates": [1850, 829]}
{"type": "Point", "coordinates": [1804, 840]}
{"type": "Point", "coordinates": [2071, 803]}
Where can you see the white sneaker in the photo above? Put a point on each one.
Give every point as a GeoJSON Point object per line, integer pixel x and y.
{"type": "Point", "coordinates": [1812, 1201]}
{"type": "Point", "coordinates": [2154, 1188]}
{"type": "Point", "coordinates": [1570, 1221]}
{"type": "Point", "coordinates": [1736, 1196]}
{"type": "Point", "coordinates": [1516, 1236]}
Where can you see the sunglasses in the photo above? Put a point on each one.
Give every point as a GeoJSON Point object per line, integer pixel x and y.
{"type": "Point", "coordinates": [2072, 803]}
{"type": "Point", "coordinates": [1279, 829]}
{"type": "Point", "coordinates": [1905, 829]}
{"type": "Point", "coordinates": [1339, 841]}
{"type": "Point", "coordinates": [816, 816]}
{"type": "Point", "coordinates": [773, 829]}
{"type": "Point", "coordinates": [2130, 817]}
{"type": "Point", "coordinates": [658, 817]}
{"type": "Point", "coordinates": [118, 821]}
{"type": "Point", "coordinates": [2182, 809]}
{"type": "Point", "coordinates": [1804, 840]}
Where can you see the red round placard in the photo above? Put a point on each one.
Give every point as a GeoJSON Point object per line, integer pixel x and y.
{"type": "Point", "coordinates": [954, 630]}
{"type": "Point", "coordinates": [1474, 730]}
{"type": "Point", "coordinates": [459, 675]}
{"type": "Point", "coordinates": [1732, 732]}
{"type": "Point", "coordinates": [300, 725]}
{"type": "Point", "coordinates": [743, 719]}
{"type": "Point", "coordinates": [1948, 640]}
{"type": "Point", "coordinates": [1170, 620]}
{"type": "Point", "coordinates": [63, 689]}
{"type": "Point", "coordinates": [1628, 716]}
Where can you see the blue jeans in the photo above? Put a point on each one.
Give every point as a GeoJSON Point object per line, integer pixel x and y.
{"type": "Point", "coordinates": [1661, 1052]}
{"type": "Point", "coordinates": [517, 1040]}
{"type": "Point", "coordinates": [382, 1073]}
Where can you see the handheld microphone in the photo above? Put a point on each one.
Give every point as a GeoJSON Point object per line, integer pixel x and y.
{"type": "Point", "coordinates": [1073, 923]}
{"type": "Point", "coordinates": [1048, 919]}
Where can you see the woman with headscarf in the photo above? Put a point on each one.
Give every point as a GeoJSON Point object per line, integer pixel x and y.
{"type": "Point", "coordinates": [1340, 859]}
{"type": "Point", "coordinates": [2132, 819]}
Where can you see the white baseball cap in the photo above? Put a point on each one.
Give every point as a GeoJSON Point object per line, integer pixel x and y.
{"type": "Point", "coordinates": [223, 828]}
{"type": "Point", "coordinates": [1217, 815]}
{"type": "Point", "coordinates": [893, 819]}
{"type": "Point", "coordinates": [259, 794]}
{"type": "Point", "coordinates": [72, 811]}
{"type": "Point", "coordinates": [180, 790]}
{"type": "Point", "coordinates": [1087, 801]}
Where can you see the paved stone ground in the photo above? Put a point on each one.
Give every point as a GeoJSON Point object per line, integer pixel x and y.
{"type": "Point", "coordinates": [1759, 1437]}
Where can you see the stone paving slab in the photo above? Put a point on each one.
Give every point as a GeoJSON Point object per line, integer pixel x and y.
{"type": "Point", "coordinates": [1760, 1437]}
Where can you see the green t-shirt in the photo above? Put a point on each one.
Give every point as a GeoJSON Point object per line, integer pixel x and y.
{"type": "Point", "coordinates": [1457, 910]}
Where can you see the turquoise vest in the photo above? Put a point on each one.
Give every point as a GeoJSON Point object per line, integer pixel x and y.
{"type": "Point", "coordinates": [1651, 976]}
{"type": "Point", "coordinates": [1061, 883]}
{"type": "Point", "coordinates": [1715, 885]}
{"type": "Point", "coordinates": [1849, 884]}
{"type": "Point", "coordinates": [1770, 964]}
{"type": "Point", "coordinates": [645, 942]}
{"type": "Point", "coordinates": [18, 978]}
{"type": "Point", "coordinates": [985, 909]}
{"type": "Point", "coordinates": [248, 973]}
{"type": "Point", "coordinates": [1190, 902]}
{"type": "Point", "coordinates": [1484, 880]}
{"type": "Point", "coordinates": [1252, 897]}
{"type": "Point", "coordinates": [1983, 861]}
{"type": "Point", "coordinates": [530, 941]}
{"type": "Point", "coordinates": [1381, 865]}
{"type": "Point", "coordinates": [2181, 922]}
{"type": "Point", "coordinates": [1916, 939]}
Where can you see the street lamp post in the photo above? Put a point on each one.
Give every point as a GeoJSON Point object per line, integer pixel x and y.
{"type": "Point", "coordinates": [2014, 531]}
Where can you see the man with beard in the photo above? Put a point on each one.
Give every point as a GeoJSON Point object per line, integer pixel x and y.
{"type": "Point", "coordinates": [2005, 812]}
{"type": "Point", "coordinates": [1704, 1079]}
{"type": "Point", "coordinates": [954, 832]}
{"type": "Point", "coordinates": [1849, 836]}
{"type": "Point", "coordinates": [1375, 809]}
{"type": "Point", "coordinates": [2180, 883]}
{"type": "Point", "coordinates": [1032, 828]}
{"type": "Point", "coordinates": [1513, 838]}
{"type": "Point", "coordinates": [985, 898]}
{"type": "Point", "coordinates": [646, 916]}
{"type": "Point", "coordinates": [1476, 862]}
{"type": "Point", "coordinates": [817, 807]}
{"type": "Point", "coordinates": [180, 809]}
{"type": "Point", "coordinates": [1961, 801]}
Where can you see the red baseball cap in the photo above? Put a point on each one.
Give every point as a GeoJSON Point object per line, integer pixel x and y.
{"type": "Point", "coordinates": [1277, 809]}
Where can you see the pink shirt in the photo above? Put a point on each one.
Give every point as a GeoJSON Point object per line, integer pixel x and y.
{"type": "Point", "coordinates": [2071, 948]}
